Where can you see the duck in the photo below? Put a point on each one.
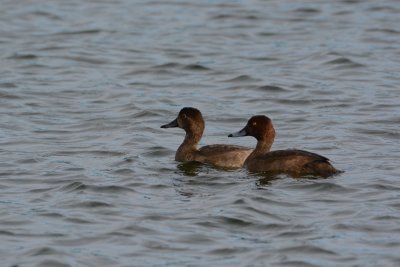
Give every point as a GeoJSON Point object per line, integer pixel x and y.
{"type": "Point", "coordinates": [293, 162]}
{"type": "Point", "coordinates": [219, 155]}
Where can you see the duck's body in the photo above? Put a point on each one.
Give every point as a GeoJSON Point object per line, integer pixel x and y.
{"type": "Point", "coordinates": [221, 156]}
{"type": "Point", "coordinates": [296, 163]}
{"type": "Point", "coordinates": [293, 162]}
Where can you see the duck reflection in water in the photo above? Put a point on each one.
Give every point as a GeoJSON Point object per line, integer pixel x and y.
{"type": "Point", "coordinates": [190, 168]}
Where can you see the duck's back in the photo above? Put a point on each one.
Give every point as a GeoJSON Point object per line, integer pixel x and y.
{"type": "Point", "coordinates": [296, 163]}
{"type": "Point", "coordinates": [223, 156]}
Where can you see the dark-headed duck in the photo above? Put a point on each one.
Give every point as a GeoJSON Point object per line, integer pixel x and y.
{"type": "Point", "coordinates": [222, 156]}
{"type": "Point", "coordinates": [296, 163]}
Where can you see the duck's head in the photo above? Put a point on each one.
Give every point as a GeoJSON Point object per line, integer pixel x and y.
{"type": "Point", "coordinates": [259, 127]}
{"type": "Point", "coordinates": [189, 119]}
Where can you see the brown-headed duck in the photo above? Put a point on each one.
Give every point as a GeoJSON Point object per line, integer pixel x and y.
{"type": "Point", "coordinates": [222, 156]}
{"type": "Point", "coordinates": [296, 163]}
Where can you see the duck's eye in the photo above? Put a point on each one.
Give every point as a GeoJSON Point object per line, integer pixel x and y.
{"type": "Point", "coordinates": [254, 123]}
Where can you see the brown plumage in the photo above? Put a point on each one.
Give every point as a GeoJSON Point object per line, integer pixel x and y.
{"type": "Point", "coordinates": [296, 163]}
{"type": "Point", "coordinates": [222, 156]}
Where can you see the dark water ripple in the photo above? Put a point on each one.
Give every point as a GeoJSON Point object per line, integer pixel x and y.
{"type": "Point", "coordinates": [87, 177]}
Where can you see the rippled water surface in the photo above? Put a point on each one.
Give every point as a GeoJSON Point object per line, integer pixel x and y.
{"type": "Point", "coordinates": [88, 178]}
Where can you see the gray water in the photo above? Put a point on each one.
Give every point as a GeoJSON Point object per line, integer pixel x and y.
{"type": "Point", "coordinates": [88, 178]}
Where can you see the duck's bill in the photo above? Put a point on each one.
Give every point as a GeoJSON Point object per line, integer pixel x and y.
{"type": "Point", "coordinates": [172, 124]}
{"type": "Point", "coordinates": [239, 134]}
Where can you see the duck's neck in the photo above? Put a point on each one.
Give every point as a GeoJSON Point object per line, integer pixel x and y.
{"type": "Point", "coordinates": [262, 147]}
{"type": "Point", "coordinates": [188, 147]}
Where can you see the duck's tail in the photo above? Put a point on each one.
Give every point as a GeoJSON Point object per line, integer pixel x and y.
{"type": "Point", "coordinates": [321, 168]}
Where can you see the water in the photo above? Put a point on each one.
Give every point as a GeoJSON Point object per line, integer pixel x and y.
{"type": "Point", "coordinates": [87, 177]}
